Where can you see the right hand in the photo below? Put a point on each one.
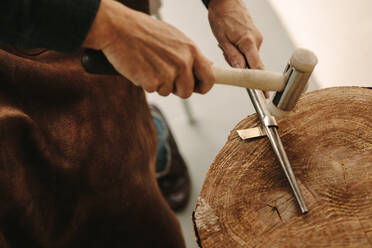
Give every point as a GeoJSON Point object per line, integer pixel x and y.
{"type": "Point", "coordinates": [236, 33]}
{"type": "Point", "coordinates": [150, 53]}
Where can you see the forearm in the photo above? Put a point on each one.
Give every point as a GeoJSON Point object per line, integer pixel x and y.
{"type": "Point", "coordinates": [53, 24]}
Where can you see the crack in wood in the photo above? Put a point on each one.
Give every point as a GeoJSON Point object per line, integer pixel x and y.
{"type": "Point", "coordinates": [275, 209]}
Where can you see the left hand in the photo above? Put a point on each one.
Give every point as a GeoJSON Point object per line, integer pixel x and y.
{"type": "Point", "coordinates": [236, 33]}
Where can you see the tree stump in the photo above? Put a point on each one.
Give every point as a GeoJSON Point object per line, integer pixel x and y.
{"type": "Point", "coordinates": [246, 200]}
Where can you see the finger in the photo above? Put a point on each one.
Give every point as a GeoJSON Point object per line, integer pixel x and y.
{"type": "Point", "coordinates": [259, 40]}
{"type": "Point", "coordinates": [152, 87]}
{"type": "Point", "coordinates": [232, 54]}
{"type": "Point", "coordinates": [184, 84]}
{"type": "Point", "coordinates": [204, 75]}
{"type": "Point", "coordinates": [253, 58]}
{"type": "Point", "coordinates": [165, 89]}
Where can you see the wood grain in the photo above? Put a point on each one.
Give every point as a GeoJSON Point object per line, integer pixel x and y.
{"type": "Point", "coordinates": [246, 200]}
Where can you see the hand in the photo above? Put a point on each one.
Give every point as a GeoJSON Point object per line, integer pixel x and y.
{"type": "Point", "coordinates": [237, 35]}
{"type": "Point", "coordinates": [150, 53]}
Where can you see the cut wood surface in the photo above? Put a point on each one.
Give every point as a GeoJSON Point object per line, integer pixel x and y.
{"type": "Point", "coordinates": [246, 200]}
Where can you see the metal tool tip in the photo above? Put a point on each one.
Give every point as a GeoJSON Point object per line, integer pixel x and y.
{"type": "Point", "coordinates": [304, 210]}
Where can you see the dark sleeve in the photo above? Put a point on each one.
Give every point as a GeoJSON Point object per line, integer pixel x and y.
{"type": "Point", "coordinates": [206, 2]}
{"type": "Point", "coordinates": [60, 25]}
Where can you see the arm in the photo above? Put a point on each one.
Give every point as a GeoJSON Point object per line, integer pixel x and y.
{"type": "Point", "coordinates": [150, 53]}
{"type": "Point", "coordinates": [54, 24]}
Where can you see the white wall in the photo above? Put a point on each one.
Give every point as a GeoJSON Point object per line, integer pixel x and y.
{"type": "Point", "coordinates": [338, 31]}
{"type": "Point", "coordinates": [191, 17]}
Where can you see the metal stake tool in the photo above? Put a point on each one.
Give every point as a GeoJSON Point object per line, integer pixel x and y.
{"type": "Point", "coordinates": [271, 127]}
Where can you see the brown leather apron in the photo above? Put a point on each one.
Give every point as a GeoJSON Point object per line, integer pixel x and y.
{"type": "Point", "coordinates": [77, 157]}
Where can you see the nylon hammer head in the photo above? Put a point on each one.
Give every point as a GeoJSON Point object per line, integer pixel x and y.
{"type": "Point", "coordinates": [296, 77]}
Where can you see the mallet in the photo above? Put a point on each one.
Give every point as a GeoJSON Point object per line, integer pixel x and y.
{"type": "Point", "coordinates": [288, 86]}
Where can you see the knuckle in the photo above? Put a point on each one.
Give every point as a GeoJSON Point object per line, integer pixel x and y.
{"type": "Point", "coordinates": [259, 39]}
{"type": "Point", "coordinates": [183, 65]}
{"type": "Point", "coordinates": [151, 87]}
{"type": "Point", "coordinates": [236, 58]}
{"type": "Point", "coordinates": [246, 44]}
{"type": "Point", "coordinates": [170, 75]}
{"type": "Point", "coordinates": [211, 77]}
{"type": "Point", "coordinates": [237, 61]}
{"type": "Point", "coordinates": [165, 89]}
{"type": "Point", "coordinates": [164, 92]}
{"type": "Point", "coordinates": [185, 92]}
{"type": "Point", "coordinates": [248, 40]}
{"type": "Point", "coordinates": [193, 48]}
{"type": "Point", "coordinates": [206, 87]}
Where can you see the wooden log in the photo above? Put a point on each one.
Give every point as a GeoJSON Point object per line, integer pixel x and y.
{"type": "Point", "coordinates": [246, 200]}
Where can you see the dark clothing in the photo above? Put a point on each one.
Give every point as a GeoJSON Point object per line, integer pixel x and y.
{"type": "Point", "coordinates": [206, 2]}
{"type": "Point", "coordinates": [75, 168]}
{"type": "Point", "coordinates": [60, 25]}
{"type": "Point", "coordinates": [55, 24]}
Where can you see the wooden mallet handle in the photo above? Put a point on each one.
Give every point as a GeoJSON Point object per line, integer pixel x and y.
{"type": "Point", "coordinates": [249, 78]}
{"type": "Point", "coordinates": [95, 62]}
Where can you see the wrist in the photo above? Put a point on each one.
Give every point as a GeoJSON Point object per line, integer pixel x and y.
{"type": "Point", "coordinates": [206, 3]}
{"type": "Point", "coordinates": [101, 33]}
